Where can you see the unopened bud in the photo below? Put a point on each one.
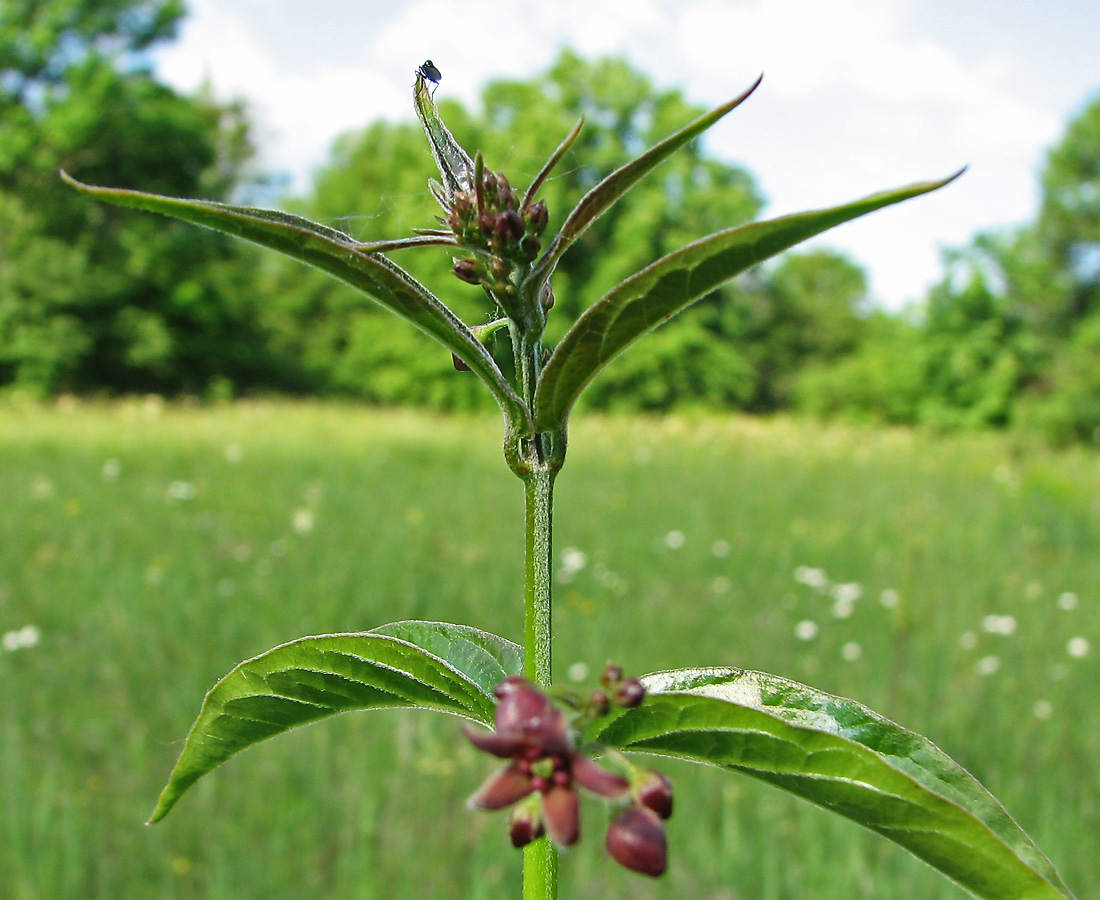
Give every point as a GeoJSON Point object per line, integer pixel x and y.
{"type": "Point", "coordinates": [525, 822]}
{"type": "Point", "coordinates": [612, 674]}
{"type": "Point", "coordinates": [630, 693]}
{"type": "Point", "coordinates": [636, 839]}
{"type": "Point", "coordinates": [463, 204]}
{"type": "Point", "coordinates": [653, 790]}
{"type": "Point", "coordinates": [489, 185]}
{"type": "Point", "coordinates": [530, 246]}
{"type": "Point", "coordinates": [509, 226]}
{"type": "Point", "coordinates": [598, 704]}
{"type": "Point", "coordinates": [468, 270]}
{"type": "Point", "coordinates": [537, 217]}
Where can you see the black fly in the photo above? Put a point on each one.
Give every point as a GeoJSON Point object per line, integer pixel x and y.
{"type": "Point", "coordinates": [429, 72]}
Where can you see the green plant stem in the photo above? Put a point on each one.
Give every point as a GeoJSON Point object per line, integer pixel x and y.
{"type": "Point", "coordinates": [540, 858]}
{"type": "Point", "coordinates": [538, 509]}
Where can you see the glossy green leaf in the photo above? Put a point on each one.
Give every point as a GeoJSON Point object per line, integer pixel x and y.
{"type": "Point", "coordinates": [598, 200]}
{"type": "Point", "coordinates": [485, 658]}
{"type": "Point", "coordinates": [336, 253]}
{"type": "Point", "coordinates": [427, 665]}
{"type": "Point", "coordinates": [662, 289]}
{"type": "Point", "coordinates": [840, 755]}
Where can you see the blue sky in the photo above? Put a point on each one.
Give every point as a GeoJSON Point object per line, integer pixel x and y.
{"type": "Point", "coordinates": [858, 95]}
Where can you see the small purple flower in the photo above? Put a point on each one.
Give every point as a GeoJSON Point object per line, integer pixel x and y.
{"type": "Point", "coordinates": [534, 734]}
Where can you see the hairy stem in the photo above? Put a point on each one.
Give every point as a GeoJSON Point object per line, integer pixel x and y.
{"type": "Point", "coordinates": [540, 859]}
{"type": "Point", "coordinates": [539, 495]}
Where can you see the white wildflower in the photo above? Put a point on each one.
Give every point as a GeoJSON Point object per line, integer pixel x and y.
{"type": "Point", "coordinates": [1078, 647]}
{"type": "Point", "coordinates": [987, 665]}
{"type": "Point", "coordinates": [806, 630]}
{"type": "Point", "coordinates": [814, 578]}
{"type": "Point", "coordinates": [182, 490]}
{"type": "Point", "coordinates": [674, 540]}
{"type": "Point", "coordinates": [573, 559]}
{"type": "Point", "coordinates": [21, 639]}
{"type": "Point", "coordinates": [846, 593]}
{"type": "Point", "coordinates": [1002, 625]}
{"type": "Point", "coordinates": [302, 520]}
{"type": "Point", "coordinates": [842, 609]}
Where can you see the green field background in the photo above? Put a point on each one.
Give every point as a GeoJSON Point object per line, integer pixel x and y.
{"type": "Point", "coordinates": [153, 547]}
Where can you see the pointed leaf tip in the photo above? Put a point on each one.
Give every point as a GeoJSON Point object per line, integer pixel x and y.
{"type": "Point", "coordinates": [427, 665]}
{"type": "Point", "coordinates": [651, 296]}
{"type": "Point", "coordinates": [840, 755]}
{"type": "Point", "coordinates": [361, 266]}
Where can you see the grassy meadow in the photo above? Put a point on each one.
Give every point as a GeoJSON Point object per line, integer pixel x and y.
{"type": "Point", "coordinates": [952, 584]}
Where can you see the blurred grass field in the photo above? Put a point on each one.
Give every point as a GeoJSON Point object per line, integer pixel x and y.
{"type": "Point", "coordinates": [952, 584]}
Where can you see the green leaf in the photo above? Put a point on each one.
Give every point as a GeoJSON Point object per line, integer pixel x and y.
{"type": "Point", "coordinates": [840, 755]}
{"type": "Point", "coordinates": [454, 163]}
{"type": "Point", "coordinates": [336, 253]}
{"type": "Point", "coordinates": [485, 658]}
{"type": "Point", "coordinates": [662, 289]}
{"type": "Point", "coordinates": [603, 195]}
{"type": "Point", "coordinates": [427, 665]}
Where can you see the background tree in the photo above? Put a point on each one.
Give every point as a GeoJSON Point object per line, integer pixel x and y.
{"type": "Point", "coordinates": [157, 306]}
{"type": "Point", "coordinates": [1011, 334]}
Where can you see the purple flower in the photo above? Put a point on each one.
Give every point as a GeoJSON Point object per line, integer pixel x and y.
{"type": "Point", "coordinates": [534, 735]}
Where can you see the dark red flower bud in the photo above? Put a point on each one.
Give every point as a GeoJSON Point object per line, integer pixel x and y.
{"type": "Point", "coordinates": [468, 270]}
{"type": "Point", "coordinates": [612, 674]}
{"type": "Point", "coordinates": [636, 839]}
{"type": "Point", "coordinates": [509, 226]}
{"type": "Point", "coordinates": [598, 704]}
{"type": "Point", "coordinates": [537, 217]}
{"type": "Point", "coordinates": [525, 823]}
{"type": "Point", "coordinates": [653, 790]}
{"type": "Point", "coordinates": [530, 246]}
{"type": "Point", "coordinates": [463, 204]}
{"type": "Point", "coordinates": [630, 693]}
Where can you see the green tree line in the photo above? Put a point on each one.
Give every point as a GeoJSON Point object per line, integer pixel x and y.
{"type": "Point", "coordinates": [95, 300]}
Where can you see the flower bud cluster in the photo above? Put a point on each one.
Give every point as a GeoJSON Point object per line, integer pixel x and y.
{"type": "Point", "coordinates": [490, 219]}
{"type": "Point", "coordinates": [546, 767]}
